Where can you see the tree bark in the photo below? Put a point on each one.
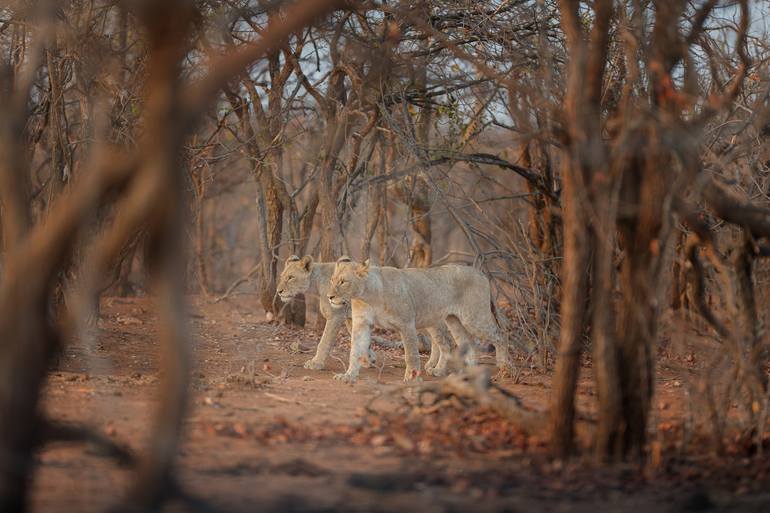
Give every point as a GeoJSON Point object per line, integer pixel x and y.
{"type": "Point", "coordinates": [574, 293]}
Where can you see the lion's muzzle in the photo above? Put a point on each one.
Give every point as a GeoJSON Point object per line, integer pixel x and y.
{"type": "Point", "coordinates": [285, 296]}
{"type": "Point", "coordinates": [337, 302]}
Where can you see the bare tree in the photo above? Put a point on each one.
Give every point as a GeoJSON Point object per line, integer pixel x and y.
{"type": "Point", "coordinates": [619, 195]}
{"type": "Point", "coordinates": [147, 190]}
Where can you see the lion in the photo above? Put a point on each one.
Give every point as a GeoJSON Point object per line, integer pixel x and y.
{"type": "Point", "coordinates": [411, 299]}
{"type": "Point", "coordinates": [301, 275]}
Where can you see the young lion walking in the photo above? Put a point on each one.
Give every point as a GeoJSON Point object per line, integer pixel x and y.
{"type": "Point", "coordinates": [411, 299]}
{"type": "Point", "coordinates": [301, 275]}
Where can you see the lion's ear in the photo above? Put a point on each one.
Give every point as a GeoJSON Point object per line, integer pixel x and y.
{"type": "Point", "coordinates": [343, 258]}
{"type": "Point", "coordinates": [363, 269]}
{"type": "Point", "coordinates": [306, 261]}
{"type": "Point", "coordinates": [293, 258]}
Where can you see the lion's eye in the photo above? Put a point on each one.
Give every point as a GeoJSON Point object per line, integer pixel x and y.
{"type": "Point", "coordinates": [290, 278]}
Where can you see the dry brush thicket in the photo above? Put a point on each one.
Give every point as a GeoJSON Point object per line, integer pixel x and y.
{"type": "Point", "coordinates": [605, 163]}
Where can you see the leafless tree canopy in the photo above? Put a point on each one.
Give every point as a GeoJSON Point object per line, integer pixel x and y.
{"type": "Point", "coordinates": [605, 163]}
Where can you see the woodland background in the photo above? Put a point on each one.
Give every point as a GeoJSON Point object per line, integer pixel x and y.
{"type": "Point", "coordinates": [606, 164]}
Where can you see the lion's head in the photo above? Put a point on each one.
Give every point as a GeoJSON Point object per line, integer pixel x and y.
{"type": "Point", "coordinates": [347, 281]}
{"type": "Point", "coordinates": [295, 278]}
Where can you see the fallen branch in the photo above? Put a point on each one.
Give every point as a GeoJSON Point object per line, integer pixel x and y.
{"type": "Point", "coordinates": [283, 399]}
{"type": "Point", "coordinates": [246, 277]}
{"type": "Point", "coordinates": [475, 386]}
{"type": "Point", "coordinates": [55, 431]}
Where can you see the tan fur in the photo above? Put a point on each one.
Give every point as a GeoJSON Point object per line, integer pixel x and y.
{"type": "Point", "coordinates": [302, 275]}
{"type": "Point", "coordinates": [411, 299]}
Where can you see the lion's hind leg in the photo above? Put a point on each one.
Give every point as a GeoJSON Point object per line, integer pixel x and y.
{"type": "Point", "coordinates": [463, 340]}
{"type": "Point", "coordinates": [439, 343]}
{"type": "Point", "coordinates": [484, 327]}
{"type": "Point", "coordinates": [435, 352]}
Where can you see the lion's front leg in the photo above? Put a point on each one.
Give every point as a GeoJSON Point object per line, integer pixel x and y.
{"type": "Point", "coordinates": [411, 353]}
{"type": "Point", "coordinates": [360, 339]}
{"type": "Point", "coordinates": [328, 338]}
{"type": "Point", "coordinates": [370, 362]}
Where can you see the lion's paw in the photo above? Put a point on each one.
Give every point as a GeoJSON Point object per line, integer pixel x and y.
{"type": "Point", "coordinates": [346, 377]}
{"type": "Point", "coordinates": [370, 360]}
{"type": "Point", "coordinates": [412, 375]}
{"type": "Point", "coordinates": [438, 372]}
{"type": "Point", "coordinates": [314, 364]}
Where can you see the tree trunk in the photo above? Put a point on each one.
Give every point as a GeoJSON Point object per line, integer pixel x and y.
{"type": "Point", "coordinates": [607, 368]}
{"type": "Point", "coordinates": [421, 251]}
{"type": "Point", "coordinates": [273, 208]}
{"type": "Point", "coordinates": [587, 180]}
{"type": "Point", "coordinates": [574, 293]}
{"type": "Point", "coordinates": [331, 242]}
{"type": "Point", "coordinates": [374, 196]}
{"type": "Point", "coordinates": [383, 228]}
{"type": "Point", "coordinates": [57, 132]}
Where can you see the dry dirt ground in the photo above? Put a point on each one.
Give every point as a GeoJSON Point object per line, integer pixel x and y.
{"type": "Point", "coordinates": [265, 434]}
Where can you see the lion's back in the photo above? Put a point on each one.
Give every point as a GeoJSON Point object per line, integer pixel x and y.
{"type": "Point", "coordinates": [434, 288]}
